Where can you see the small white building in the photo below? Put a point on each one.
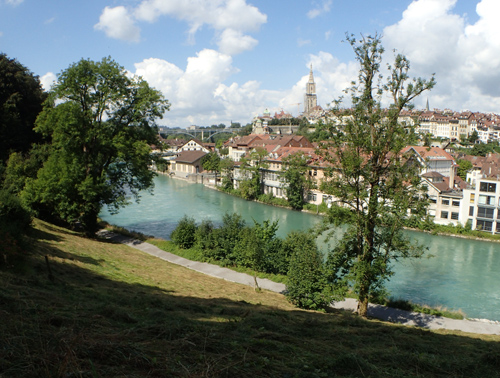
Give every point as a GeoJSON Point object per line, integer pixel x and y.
{"type": "Point", "coordinates": [481, 205]}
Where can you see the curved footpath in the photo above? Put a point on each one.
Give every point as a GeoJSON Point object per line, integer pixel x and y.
{"type": "Point", "coordinates": [375, 311]}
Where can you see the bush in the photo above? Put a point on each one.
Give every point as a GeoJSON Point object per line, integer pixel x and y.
{"type": "Point", "coordinates": [307, 286]}
{"type": "Point", "coordinates": [184, 233]}
{"type": "Point", "coordinates": [204, 235]}
{"type": "Point", "coordinates": [15, 221]}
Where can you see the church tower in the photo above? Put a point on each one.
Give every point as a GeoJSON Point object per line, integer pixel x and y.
{"type": "Point", "coordinates": [310, 99]}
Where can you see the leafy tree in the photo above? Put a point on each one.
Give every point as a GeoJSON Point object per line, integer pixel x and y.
{"type": "Point", "coordinates": [210, 162]}
{"type": "Point", "coordinates": [226, 169]}
{"type": "Point", "coordinates": [101, 124]}
{"type": "Point", "coordinates": [251, 166]}
{"type": "Point", "coordinates": [184, 234]}
{"type": "Point", "coordinates": [226, 237]}
{"type": "Point", "coordinates": [307, 285]}
{"type": "Point", "coordinates": [21, 99]}
{"type": "Point", "coordinates": [249, 251]}
{"type": "Point", "coordinates": [372, 179]}
{"type": "Point", "coordinates": [474, 137]}
{"type": "Point", "coordinates": [296, 181]}
{"type": "Point", "coordinates": [464, 166]}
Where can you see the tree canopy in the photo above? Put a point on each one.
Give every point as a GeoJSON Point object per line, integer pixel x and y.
{"type": "Point", "coordinates": [370, 175]}
{"type": "Point", "coordinates": [21, 99]}
{"type": "Point", "coordinates": [101, 123]}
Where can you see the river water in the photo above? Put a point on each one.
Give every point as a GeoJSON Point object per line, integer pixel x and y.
{"type": "Point", "coordinates": [462, 274]}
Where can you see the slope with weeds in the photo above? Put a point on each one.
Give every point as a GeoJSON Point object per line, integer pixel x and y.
{"type": "Point", "coordinates": [113, 311]}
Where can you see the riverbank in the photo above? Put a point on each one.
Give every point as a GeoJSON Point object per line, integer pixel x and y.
{"type": "Point", "coordinates": [376, 311]}
{"type": "Point", "coordinates": [113, 311]}
{"type": "Point", "coordinates": [462, 275]}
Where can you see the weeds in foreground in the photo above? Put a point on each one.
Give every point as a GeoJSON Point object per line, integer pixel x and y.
{"type": "Point", "coordinates": [114, 311]}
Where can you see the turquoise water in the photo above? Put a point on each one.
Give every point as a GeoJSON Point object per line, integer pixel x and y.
{"type": "Point", "coordinates": [462, 274]}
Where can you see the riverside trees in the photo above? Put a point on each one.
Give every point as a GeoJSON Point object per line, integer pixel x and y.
{"type": "Point", "coordinates": [372, 180]}
{"type": "Point", "coordinates": [100, 123]}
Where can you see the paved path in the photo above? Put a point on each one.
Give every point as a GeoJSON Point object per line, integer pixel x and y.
{"type": "Point", "coordinates": [375, 311]}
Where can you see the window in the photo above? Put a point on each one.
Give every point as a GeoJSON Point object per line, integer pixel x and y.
{"type": "Point", "coordinates": [455, 203]}
{"type": "Point", "coordinates": [487, 187]}
{"type": "Point", "coordinates": [445, 202]}
{"type": "Point", "coordinates": [472, 197]}
{"type": "Point", "coordinates": [444, 214]}
{"type": "Point", "coordinates": [433, 200]}
{"type": "Point", "coordinates": [485, 212]}
{"type": "Point", "coordinates": [312, 196]}
{"type": "Point", "coordinates": [486, 200]}
{"type": "Point", "coordinates": [498, 227]}
{"type": "Point", "coordinates": [471, 211]}
{"type": "Point", "coordinates": [484, 225]}
{"type": "Point", "coordinates": [454, 216]}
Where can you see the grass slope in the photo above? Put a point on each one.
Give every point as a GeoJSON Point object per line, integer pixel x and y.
{"type": "Point", "coordinates": [114, 311]}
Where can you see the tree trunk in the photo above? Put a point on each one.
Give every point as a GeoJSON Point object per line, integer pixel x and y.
{"type": "Point", "coordinates": [362, 303]}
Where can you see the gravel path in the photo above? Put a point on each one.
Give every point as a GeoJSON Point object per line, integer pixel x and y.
{"type": "Point", "coordinates": [376, 311]}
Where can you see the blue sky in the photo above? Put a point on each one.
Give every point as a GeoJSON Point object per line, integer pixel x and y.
{"type": "Point", "coordinates": [223, 60]}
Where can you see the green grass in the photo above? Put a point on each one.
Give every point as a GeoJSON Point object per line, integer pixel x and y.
{"type": "Point", "coordinates": [112, 311]}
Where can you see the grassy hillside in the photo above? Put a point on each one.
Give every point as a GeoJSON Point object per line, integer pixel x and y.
{"type": "Point", "coordinates": [114, 311]}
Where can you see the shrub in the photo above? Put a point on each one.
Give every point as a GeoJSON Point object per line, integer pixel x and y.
{"type": "Point", "coordinates": [15, 221]}
{"type": "Point", "coordinates": [204, 235]}
{"type": "Point", "coordinates": [184, 233]}
{"type": "Point", "coordinates": [307, 286]}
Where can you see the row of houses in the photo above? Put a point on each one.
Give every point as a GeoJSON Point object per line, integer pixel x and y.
{"type": "Point", "coordinates": [452, 125]}
{"type": "Point", "coordinates": [474, 201]}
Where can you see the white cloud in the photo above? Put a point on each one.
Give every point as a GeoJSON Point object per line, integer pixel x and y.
{"type": "Point", "coordinates": [319, 9]}
{"type": "Point", "coordinates": [14, 3]}
{"type": "Point", "coordinates": [302, 42]}
{"type": "Point", "coordinates": [48, 80]}
{"type": "Point", "coordinates": [231, 19]}
{"type": "Point", "coordinates": [119, 24]}
{"type": "Point", "coordinates": [464, 57]}
{"type": "Point", "coordinates": [233, 42]}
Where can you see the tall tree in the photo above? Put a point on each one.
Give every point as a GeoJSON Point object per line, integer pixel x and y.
{"type": "Point", "coordinates": [101, 123]}
{"type": "Point", "coordinates": [296, 181]}
{"type": "Point", "coordinates": [21, 99]}
{"type": "Point", "coordinates": [251, 167]}
{"type": "Point", "coordinates": [374, 183]}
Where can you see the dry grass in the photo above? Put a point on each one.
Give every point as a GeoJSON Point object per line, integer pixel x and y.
{"type": "Point", "coordinates": [113, 311]}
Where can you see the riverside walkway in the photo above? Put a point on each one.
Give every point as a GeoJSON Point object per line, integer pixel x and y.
{"type": "Point", "coordinates": [375, 311]}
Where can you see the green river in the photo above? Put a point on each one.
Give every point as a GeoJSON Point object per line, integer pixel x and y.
{"type": "Point", "coordinates": [461, 274]}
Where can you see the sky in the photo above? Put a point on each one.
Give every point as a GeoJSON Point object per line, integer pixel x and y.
{"type": "Point", "coordinates": [223, 61]}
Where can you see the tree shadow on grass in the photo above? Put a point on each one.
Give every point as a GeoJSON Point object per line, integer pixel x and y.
{"type": "Point", "coordinates": [87, 324]}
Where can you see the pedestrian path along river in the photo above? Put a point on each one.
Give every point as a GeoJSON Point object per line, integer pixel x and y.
{"type": "Point", "coordinates": [376, 311]}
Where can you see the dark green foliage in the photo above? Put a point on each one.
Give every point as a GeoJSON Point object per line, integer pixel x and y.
{"type": "Point", "coordinates": [100, 136]}
{"type": "Point", "coordinates": [307, 285]}
{"type": "Point", "coordinates": [204, 235]}
{"type": "Point", "coordinates": [211, 162]}
{"type": "Point", "coordinates": [184, 234]}
{"type": "Point", "coordinates": [21, 99]}
{"type": "Point", "coordinates": [15, 221]}
{"type": "Point", "coordinates": [23, 166]}
{"type": "Point", "coordinates": [226, 237]}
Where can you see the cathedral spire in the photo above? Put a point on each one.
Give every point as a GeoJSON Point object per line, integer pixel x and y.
{"type": "Point", "coordinates": [311, 78]}
{"type": "Point", "coordinates": [310, 99]}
